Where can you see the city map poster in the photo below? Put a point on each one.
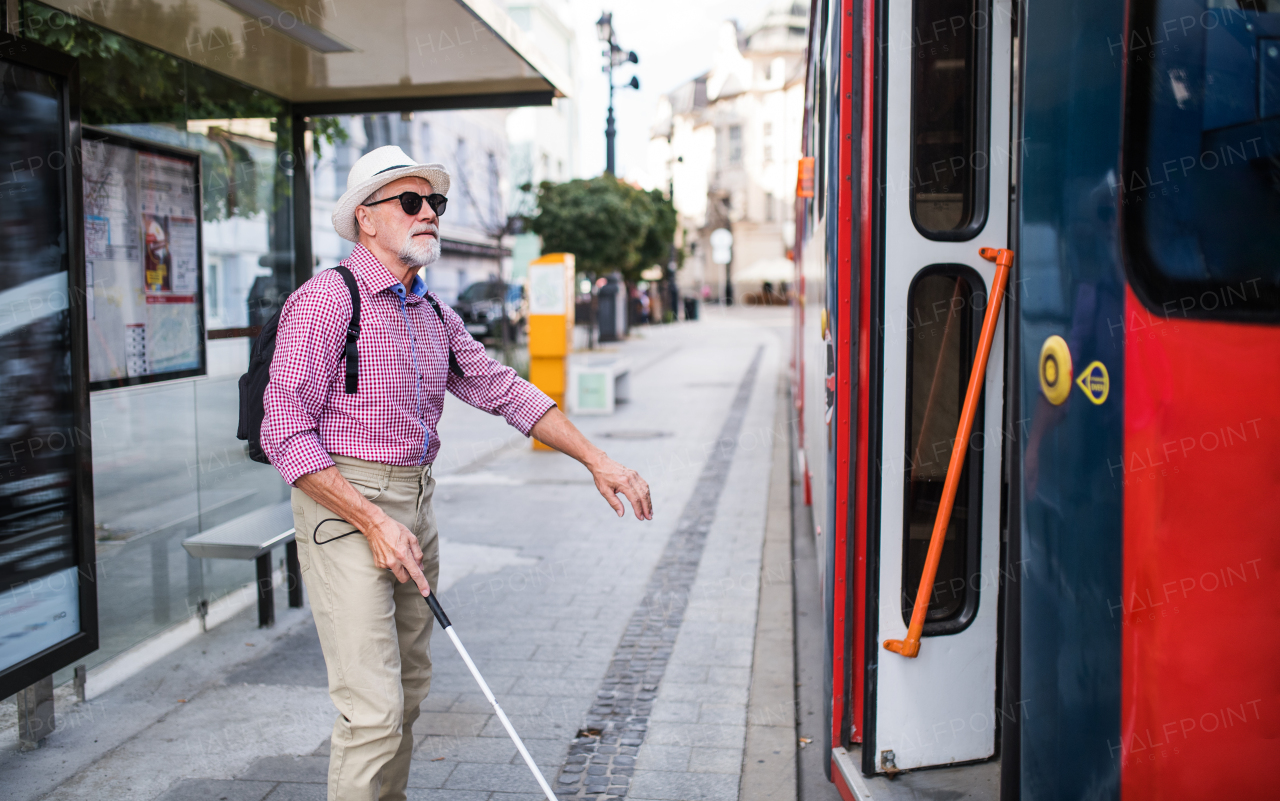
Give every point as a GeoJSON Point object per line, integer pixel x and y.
{"type": "Point", "coordinates": [142, 261]}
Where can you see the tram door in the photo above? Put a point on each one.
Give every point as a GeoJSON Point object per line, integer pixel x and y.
{"type": "Point", "coordinates": [946, 174]}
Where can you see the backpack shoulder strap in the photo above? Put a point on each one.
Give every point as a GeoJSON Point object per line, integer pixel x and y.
{"type": "Point", "coordinates": [454, 367]}
{"type": "Point", "coordinates": [349, 351]}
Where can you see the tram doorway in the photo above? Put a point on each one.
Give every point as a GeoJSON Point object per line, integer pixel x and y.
{"type": "Point", "coordinates": [946, 168]}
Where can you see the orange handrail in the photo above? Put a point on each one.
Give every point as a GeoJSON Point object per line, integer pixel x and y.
{"type": "Point", "coordinates": [910, 646]}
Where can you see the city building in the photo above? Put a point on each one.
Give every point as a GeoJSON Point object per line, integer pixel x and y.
{"type": "Point", "coordinates": [727, 144]}
{"type": "Point", "coordinates": [542, 141]}
{"type": "Point", "coordinates": [491, 155]}
{"type": "Point", "coordinates": [472, 144]}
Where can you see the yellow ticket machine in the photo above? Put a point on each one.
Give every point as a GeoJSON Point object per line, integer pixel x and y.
{"type": "Point", "coordinates": [551, 298]}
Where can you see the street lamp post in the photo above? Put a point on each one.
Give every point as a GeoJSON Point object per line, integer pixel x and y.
{"type": "Point", "coordinates": [615, 56]}
{"type": "Point", "coordinates": [609, 131]}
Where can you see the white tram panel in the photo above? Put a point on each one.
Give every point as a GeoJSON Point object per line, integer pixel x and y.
{"type": "Point", "coordinates": [938, 708]}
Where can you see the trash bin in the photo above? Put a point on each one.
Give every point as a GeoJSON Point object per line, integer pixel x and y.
{"type": "Point", "coordinates": [607, 312]}
{"type": "Point", "coordinates": [611, 309]}
{"type": "Point", "coordinates": [690, 308]}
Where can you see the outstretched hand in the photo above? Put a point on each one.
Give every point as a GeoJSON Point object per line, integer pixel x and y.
{"type": "Point", "coordinates": [613, 479]}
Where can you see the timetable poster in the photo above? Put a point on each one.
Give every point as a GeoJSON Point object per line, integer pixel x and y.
{"type": "Point", "coordinates": [142, 262]}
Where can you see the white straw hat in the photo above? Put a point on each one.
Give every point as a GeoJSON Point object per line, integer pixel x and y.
{"type": "Point", "coordinates": [371, 172]}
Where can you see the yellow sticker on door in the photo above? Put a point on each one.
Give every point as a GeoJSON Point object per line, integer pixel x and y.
{"type": "Point", "coordinates": [1095, 383]}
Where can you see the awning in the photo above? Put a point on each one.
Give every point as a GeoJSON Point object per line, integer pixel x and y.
{"type": "Point", "coordinates": [461, 247]}
{"type": "Point", "coordinates": [347, 56]}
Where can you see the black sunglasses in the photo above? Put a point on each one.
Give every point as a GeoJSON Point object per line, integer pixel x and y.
{"type": "Point", "coordinates": [411, 202]}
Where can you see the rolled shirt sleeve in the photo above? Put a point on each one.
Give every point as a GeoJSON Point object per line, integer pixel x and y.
{"type": "Point", "coordinates": [489, 385]}
{"type": "Point", "coordinates": [309, 339]}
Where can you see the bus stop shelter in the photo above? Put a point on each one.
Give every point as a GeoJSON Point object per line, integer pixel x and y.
{"type": "Point", "coordinates": [230, 99]}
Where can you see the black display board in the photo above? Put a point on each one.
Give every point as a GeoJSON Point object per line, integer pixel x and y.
{"type": "Point", "coordinates": [48, 596]}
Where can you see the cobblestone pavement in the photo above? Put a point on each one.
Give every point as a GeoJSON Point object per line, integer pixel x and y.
{"type": "Point", "coordinates": [602, 757]}
{"type": "Point", "coordinates": [557, 601]}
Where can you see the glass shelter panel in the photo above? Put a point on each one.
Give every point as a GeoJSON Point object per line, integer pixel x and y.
{"type": "Point", "coordinates": [941, 337]}
{"type": "Point", "coordinates": [167, 463]}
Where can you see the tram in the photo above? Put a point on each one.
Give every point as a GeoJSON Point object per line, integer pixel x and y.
{"type": "Point", "coordinates": [1103, 620]}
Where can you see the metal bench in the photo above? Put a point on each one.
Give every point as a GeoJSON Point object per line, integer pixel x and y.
{"type": "Point", "coordinates": [253, 536]}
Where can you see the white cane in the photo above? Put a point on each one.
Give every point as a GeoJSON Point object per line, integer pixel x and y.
{"type": "Point", "coordinates": [484, 688]}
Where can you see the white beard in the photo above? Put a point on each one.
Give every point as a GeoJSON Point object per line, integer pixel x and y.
{"type": "Point", "coordinates": [419, 251]}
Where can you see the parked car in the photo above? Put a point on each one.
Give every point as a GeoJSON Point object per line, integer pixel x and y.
{"type": "Point", "coordinates": [480, 307]}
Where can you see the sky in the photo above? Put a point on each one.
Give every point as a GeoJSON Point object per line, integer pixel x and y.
{"type": "Point", "coordinates": [673, 39]}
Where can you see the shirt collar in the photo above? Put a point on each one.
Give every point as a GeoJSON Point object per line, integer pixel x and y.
{"type": "Point", "coordinates": [376, 275]}
{"type": "Point", "coordinates": [419, 287]}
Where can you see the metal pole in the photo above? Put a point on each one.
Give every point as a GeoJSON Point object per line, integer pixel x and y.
{"type": "Point", "coordinates": [266, 594]}
{"type": "Point", "coordinates": [909, 646]}
{"type": "Point", "coordinates": [609, 130]}
{"type": "Point", "coordinates": [294, 569]}
{"type": "Point", "coordinates": [303, 262]}
{"type": "Point", "coordinates": [502, 288]}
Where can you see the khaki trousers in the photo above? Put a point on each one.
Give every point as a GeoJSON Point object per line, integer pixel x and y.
{"type": "Point", "coordinates": [375, 632]}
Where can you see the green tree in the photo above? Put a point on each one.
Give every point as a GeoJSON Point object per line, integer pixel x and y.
{"type": "Point", "coordinates": [608, 225]}
{"type": "Point", "coordinates": [656, 248]}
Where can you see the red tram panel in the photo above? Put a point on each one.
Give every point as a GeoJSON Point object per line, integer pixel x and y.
{"type": "Point", "coordinates": [1198, 613]}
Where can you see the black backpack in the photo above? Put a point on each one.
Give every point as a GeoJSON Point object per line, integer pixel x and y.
{"type": "Point", "coordinates": [253, 384]}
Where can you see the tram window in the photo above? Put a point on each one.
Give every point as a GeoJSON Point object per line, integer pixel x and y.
{"type": "Point", "coordinates": [941, 337]}
{"type": "Point", "coordinates": [1200, 177]}
{"type": "Point", "coordinates": [821, 89]}
{"type": "Point", "coordinates": [949, 45]}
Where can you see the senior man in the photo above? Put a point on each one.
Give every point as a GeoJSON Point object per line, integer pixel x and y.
{"type": "Point", "coordinates": [363, 460]}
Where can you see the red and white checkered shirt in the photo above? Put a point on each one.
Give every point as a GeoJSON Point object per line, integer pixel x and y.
{"type": "Point", "coordinates": [404, 371]}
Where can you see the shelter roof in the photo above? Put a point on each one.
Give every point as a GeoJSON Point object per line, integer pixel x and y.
{"type": "Point", "coordinates": [347, 56]}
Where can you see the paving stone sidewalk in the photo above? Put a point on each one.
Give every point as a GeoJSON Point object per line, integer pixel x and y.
{"type": "Point", "coordinates": [602, 758]}
{"type": "Point", "coordinates": [550, 630]}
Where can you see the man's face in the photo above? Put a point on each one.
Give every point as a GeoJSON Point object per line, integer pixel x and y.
{"type": "Point", "coordinates": [414, 238]}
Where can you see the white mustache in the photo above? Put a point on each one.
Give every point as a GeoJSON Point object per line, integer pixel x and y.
{"type": "Point", "coordinates": [425, 228]}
